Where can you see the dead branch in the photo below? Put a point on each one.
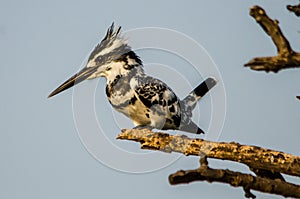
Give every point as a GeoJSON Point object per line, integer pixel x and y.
{"type": "Point", "coordinates": [236, 179]}
{"type": "Point", "coordinates": [295, 9]}
{"type": "Point", "coordinates": [286, 56]}
{"type": "Point", "coordinates": [253, 156]}
{"type": "Point", "coordinates": [262, 161]}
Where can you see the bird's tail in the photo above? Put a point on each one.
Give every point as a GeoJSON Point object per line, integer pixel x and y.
{"type": "Point", "coordinates": [192, 99]}
{"type": "Point", "coordinates": [188, 104]}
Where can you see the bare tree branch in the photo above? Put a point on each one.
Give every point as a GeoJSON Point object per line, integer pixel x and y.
{"type": "Point", "coordinates": [253, 156]}
{"type": "Point", "coordinates": [286, 57]}
{"type": "Point", "coordinates": [260, 160]}
{"type": "Point", "coordinates": [236, 179]}
{"type": "Point", "coordinates": [295, 9]}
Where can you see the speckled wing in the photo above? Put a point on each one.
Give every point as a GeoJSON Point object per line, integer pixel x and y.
{"type": "Point", "coordinates": [160, 99]}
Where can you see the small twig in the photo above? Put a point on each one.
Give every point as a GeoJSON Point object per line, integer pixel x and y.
{"type": "Point", "coordinates": [236, 179]}
{"type": "Point", "coordinates": [248, 193]}
{"type": "Point", "coordinates": [295, 9]}
{"type": "Point", "coordinates": [286, 57]}
{"type": "Point", "coordinates": [203, 162]}
{"type": "Point", "coordinates": [253, 156]}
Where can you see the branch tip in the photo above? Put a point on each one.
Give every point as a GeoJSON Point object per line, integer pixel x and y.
{"type": "Point", "coordinates": [285, 58]}
{"type": "Point", "coordinates": [295, 9]}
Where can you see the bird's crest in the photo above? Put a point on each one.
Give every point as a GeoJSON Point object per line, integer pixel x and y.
{"type": "Point", "coordinates": [110, 32]}
{"type": "Point", "coordinates": [112, 44]}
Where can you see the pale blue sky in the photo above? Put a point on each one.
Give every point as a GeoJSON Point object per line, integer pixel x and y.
{"type": "Point", "coordinates": [42, 43]}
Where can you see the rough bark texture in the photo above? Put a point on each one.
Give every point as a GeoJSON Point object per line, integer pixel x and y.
{"type": "Point", "coordinates": [260, 160]}
{"type": "Point", "coordinates": [236, 179]}
{"type": "Point", "coordinates": [253, 156]}
{"type": "Point", "coordinates": [295, 9]}
{"type": "Point", "coordinates": [286, 57]}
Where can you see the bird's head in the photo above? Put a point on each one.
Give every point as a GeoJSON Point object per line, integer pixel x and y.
{"type": "Point", "coordinates": [111, 57]}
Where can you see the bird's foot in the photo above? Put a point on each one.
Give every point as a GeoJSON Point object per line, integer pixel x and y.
{"type": "Point", "coordinates": [141, 127]}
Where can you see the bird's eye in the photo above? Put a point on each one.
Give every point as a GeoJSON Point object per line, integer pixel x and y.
{"type": "Point", "coordinates": [108, 68]}
{"type": "Point", "coordinates": [99, 59]}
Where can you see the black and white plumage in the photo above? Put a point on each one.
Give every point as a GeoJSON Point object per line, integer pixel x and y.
{"type": "Point", "coordinates": [147, 101]}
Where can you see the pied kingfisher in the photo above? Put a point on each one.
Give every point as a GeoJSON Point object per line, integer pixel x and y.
{"type": "Point", "coordinates": [147, 101]}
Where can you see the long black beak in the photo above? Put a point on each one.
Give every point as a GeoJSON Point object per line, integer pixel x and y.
{"type": "Point", "coordinates": [75, 79]}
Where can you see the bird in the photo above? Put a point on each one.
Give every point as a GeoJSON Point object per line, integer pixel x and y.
{"type": "Point", "coordinates": [147, 101]}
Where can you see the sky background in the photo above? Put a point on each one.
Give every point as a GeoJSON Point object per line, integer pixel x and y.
{"type": "Point", "coordinates": [42, 43]}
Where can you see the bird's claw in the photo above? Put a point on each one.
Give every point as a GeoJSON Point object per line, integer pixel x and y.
{"type": "Point", "coordinates": [141, 127]}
